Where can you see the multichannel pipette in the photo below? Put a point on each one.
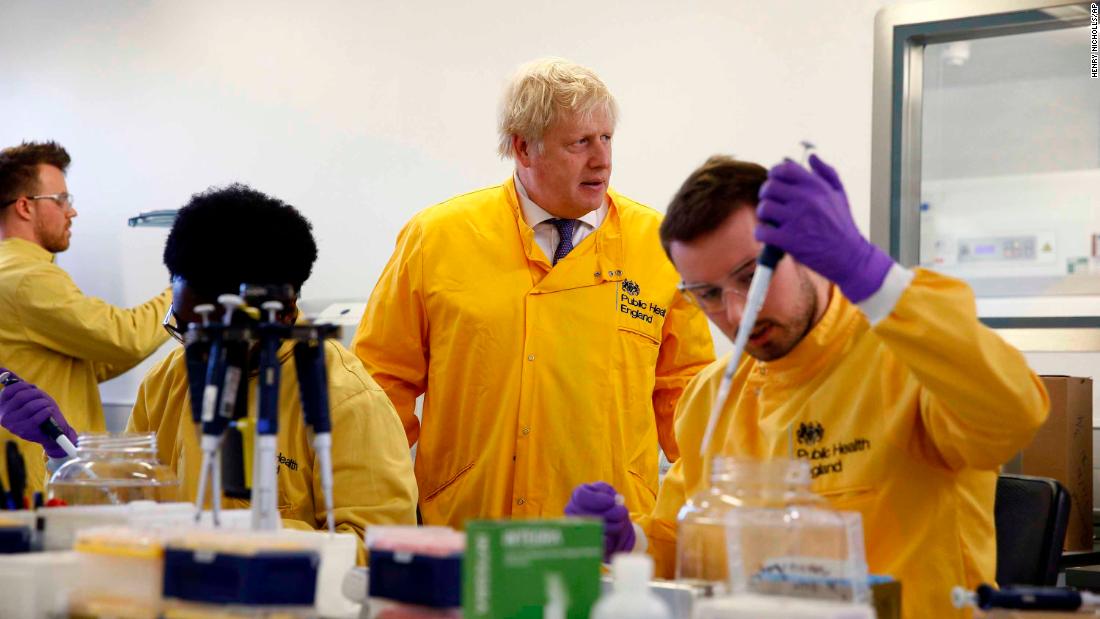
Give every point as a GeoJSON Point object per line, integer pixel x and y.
{"type": "Point", "coordinates": [217, 362]}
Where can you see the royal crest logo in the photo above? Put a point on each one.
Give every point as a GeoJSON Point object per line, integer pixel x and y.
{"type": "Point", "coordinates": [810, 433]}
{"type": "Point", "coordinates": [632, 288]}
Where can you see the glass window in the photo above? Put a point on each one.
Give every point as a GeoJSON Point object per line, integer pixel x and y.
{"type": "Point", "coordinates": [1010, 171]}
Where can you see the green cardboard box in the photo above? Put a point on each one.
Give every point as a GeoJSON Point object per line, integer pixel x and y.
{"type": "Point", "coordinates": [514, 568]}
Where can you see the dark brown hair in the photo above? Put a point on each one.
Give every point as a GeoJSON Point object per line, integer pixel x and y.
{"type": "Point", "coordinates": [19, 167]}
{"type": "Point", "coordinates": [709, 195]}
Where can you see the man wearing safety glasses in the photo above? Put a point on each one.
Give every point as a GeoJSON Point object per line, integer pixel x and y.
{"type": "Point", "coordinates": [52, 334]}
{"type": "Point", "coordinates": [881, 379]}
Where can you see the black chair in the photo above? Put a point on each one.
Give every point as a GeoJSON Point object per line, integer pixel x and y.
{"type": "Point", "coordinates": [1030, 515]}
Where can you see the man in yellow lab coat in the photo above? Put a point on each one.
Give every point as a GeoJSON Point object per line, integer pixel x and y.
{"type": "Point", "coordinates": [236, 235]}
{"type": "Point", "coordinates": [52, 334]}
{"type": "Point", "coordinates": [538, 317]}
{"type": "Point", "coordinates": [881, 378]}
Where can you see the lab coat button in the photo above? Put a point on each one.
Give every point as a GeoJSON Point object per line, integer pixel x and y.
{"type": "Point", "coordinates": [530, 357]}
{"type": "Point", "coordinates": [758, 390]}
{"type": "Point", "coordinates": [526, 431]}
{"type": "Point", "coordinates": [521, 501]}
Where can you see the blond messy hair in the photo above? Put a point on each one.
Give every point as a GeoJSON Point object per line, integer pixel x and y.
{"type": "Point", "coordinates": [538, 94]}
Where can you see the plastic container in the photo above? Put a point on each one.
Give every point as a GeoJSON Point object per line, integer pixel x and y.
{"type": "Point", "coordinates": [421, 566]}
{"type": "Point", "coordinates": [121, 572]}
{"type": "Point", "coordinates": [735, 483]}
{"type": "Point", "coordinates": [792, 547]}
{"type": "Point", "coordinates": [750, 606]}
{"type": "Point", "coordinates": [338, 554]}
{"type": "Point", "coordinates": [37, 584]}
{"type": "Point", "coordinates": [176, 609]}
{"type": "Point", "coordinates": [114, 469]}
{"type": "Point", "coordinates": [61, 524]}
{"type": "Point", "coordinates": [631, 598]}
{"type": "Point", "coordinates": [246, 572]}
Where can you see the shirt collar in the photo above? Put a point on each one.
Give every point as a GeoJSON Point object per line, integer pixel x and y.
{"type": "Point", "coordinates": [28, 249]}
{"type": "Point", "coordinates": [534, 214]}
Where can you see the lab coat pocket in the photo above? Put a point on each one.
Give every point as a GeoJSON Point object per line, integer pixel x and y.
{"type": "Point", "coordinates": [432, 494]}
{"type": "Point", "coordinates": [642, 335]}
{"type": "Point", "coordinates": [853, 498]}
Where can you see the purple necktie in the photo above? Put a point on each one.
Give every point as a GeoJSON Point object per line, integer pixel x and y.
{"type": "Point", "coordinates": [565, 231]}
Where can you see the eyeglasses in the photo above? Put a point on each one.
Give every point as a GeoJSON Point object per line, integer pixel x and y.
{"type": "Point", "coordinates": [64, 199]}
{"type": "Point", "coordinates": [170, 324]}
{"type": "Point", "coordinates": [711, 298]}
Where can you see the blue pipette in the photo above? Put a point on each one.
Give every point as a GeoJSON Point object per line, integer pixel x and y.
{"type": "Point", "coordinates": [309, 360]}
{"type": "Point", "coordinates": [265, 513]}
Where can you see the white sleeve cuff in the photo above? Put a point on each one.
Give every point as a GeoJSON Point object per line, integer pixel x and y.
{"type": "Point", "coordinates": [641, 542]}
{"type": "Point", "coordinates": [879, 305]}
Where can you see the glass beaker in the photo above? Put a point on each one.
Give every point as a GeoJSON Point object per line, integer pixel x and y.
{"type": "Point", "coordinates": [114, 469]}
{"type": "Point", "coordinates": [734, 483]}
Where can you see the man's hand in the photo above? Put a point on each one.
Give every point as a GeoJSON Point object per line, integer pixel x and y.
{"type": "Point", "coordinates": [600, 499]}
{"type": "Point", "coordinates": [806, 214]}
{"type": "Point", "coordinates": [23, 409]}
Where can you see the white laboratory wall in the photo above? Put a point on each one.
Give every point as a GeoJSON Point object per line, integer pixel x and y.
{"type": "Point", "coordinates": [362, 113]}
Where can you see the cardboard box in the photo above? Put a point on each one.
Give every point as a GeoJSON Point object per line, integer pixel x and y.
{"type": "Point", "coordinates": [515, 568]}
{"type": "Point", "coordinates": [1062, 449]}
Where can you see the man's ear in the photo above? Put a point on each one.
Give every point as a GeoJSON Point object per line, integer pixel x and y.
{"type": "Point", "coordinates": [22, 209]}
{"type": "Point", "coordinates": [521, 150]}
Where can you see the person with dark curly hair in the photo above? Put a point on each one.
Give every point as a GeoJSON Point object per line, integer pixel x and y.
{"type": "Point", "coordinates": [233, 235]}
{"type": "Point", "coordinates": [52, 334]}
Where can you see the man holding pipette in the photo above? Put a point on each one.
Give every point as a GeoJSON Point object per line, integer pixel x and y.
{"type": "Point", "coordinates": [881, 377]}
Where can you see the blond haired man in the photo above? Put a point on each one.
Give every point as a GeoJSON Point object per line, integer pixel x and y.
{"type": "Point", "coordinates": [539, 317]}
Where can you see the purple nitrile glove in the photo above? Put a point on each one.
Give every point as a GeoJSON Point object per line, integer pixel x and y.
{"type": "Point", "coordinates": [23, 408]}
{"type": "Point", "coordinates": [600, 499]}
{"type": "Point", "coordinates": [806, 214]}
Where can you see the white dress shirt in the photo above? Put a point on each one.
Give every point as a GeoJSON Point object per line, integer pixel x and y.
{"type": "Point", "coordinates": [546, 233]}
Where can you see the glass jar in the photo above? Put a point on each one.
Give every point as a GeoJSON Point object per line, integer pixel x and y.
{"type": "Point", "coordinates": [114, 469]}
{"type": "Point", "coordinates": [734, 483]}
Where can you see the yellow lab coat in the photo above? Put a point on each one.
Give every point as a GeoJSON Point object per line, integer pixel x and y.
{"type": "Point", "coordinates": [906, 423]}
{"type": "Point", "coordinates": [537, 377]}
{"type": "Point", "coordinates": [54, 336]}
